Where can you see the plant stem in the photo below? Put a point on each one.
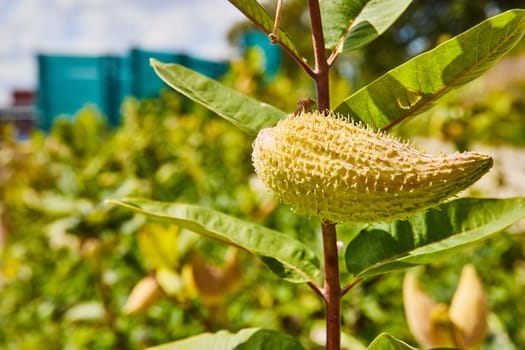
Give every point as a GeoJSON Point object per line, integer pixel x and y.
{"type": "Point", "coordinates": [322, 69]}
{"type": "Point", "coordinates": [332, 288]}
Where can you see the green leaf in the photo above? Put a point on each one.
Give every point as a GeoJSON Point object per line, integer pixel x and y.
{"type": "Point", "coordinates": [245, 339]}
{"type": "Point", "coordinates": [430, 235]}
{"type": "Point", "coordinates": [258, 16]}
{"type": "Point", "coordinates": [246, 113]}
{"type": "Point", "coordinates": [348, 25]}
{"type": "Point", "coordinates": [285, 256]}
{"type": "Point", "coordinates": [387, 342]}
{"type": "Point", "coordinates": [418, 84]}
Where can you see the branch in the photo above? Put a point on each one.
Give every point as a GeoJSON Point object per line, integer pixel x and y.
{"type": "Point", "coordinates": [285, 47]}
{"type": "Point", "coordinates": [316, 289]}
{"type": "Point", "coordinates": [339, 46]}
{"type": "Point", "coordinates": [349, 286]}
{"type": "Point", "coordinates": [332, 58]}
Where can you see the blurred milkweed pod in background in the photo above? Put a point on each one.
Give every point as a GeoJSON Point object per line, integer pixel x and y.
{"type": "Point", "coordinates": [463, 324]}
{"type": "Point", "coordinates": [145, 293]}
{"type": "Point", "coordinates": [469, 309]}
{"type": "Point", "coordinates": [324, 164]}
{"type": "Point", "coordinates": [210, 283]}
{"type": "Point", "coordinates": [426, 319]}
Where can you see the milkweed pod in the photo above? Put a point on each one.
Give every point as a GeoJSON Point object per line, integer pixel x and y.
{"type": "Point", "coordinates": [427, 320]}
{"type": "Point", "coordinates": [469, 309]}
{"type": "Point", "coordinates": [213, 284]}
{"type": "Point", "coordinates": [326, 165]}
{"type": "Point", "coordinates": [145, 292]}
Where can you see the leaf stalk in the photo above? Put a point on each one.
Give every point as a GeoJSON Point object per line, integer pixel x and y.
{"type": "Point", "coordinates": [274, 39]}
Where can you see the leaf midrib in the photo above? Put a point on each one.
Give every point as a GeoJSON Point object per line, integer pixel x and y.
{"type": "Point", "coordinates": [448, 87]}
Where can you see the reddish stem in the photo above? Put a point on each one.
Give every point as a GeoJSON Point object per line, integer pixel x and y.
{"type": "Point", "coordinates": [332, 288]}
{"type": "Point", "coordinates": [322, 68]}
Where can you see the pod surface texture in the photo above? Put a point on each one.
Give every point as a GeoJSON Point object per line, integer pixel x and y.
{"type": "Point", "coordinates": [325, 165]}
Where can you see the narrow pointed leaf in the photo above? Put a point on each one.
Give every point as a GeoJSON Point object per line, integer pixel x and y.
{"type": "Point", "coordinates": [418, 84]}
{"type": "Point", "coordinates": [249, 338]}
{"type": "Point", "coordinates": [245, 112]}
{"type": "Point", "coordinates": [285, 256]}
{"type": "Point", "coordinates": [348, 25]}
{"type": "Point", "coordinates": [387, 342]}
{"type": "Point", "coordinates": [431, 235]}
{"type": "Point", "coordinates": [258, 16]}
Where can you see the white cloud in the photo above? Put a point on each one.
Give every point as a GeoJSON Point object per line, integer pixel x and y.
{"type": "Point", "coordinates": [28, 27]}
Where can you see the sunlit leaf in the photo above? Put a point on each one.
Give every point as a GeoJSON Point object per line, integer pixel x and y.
{"type": "Point", "coordinates": [348, 25]}
{"type": "Point", "coordinates": [285, 256]}
{"type": "Point", "coordinates": [387, 342]}
{"type": "Point", "coordinates": [431, 235]}
{"type": "Point", "coordinates": [258, 16]}
{"type": "Point", "coordinates": [245, 112]}
{"type": "Point", "coordinates": [417, 85]}
{"type": "Point", "coordinates": [250, 338]}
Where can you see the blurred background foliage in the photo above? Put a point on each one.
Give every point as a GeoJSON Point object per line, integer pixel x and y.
{"type": "Point", "coordinates": [68, 261]}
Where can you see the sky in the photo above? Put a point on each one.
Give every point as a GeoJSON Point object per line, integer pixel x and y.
{"type": "Point", "coordinates": [92, 27]}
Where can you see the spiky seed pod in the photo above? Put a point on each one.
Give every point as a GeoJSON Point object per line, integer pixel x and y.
{"type": "Point", "coordinates": [328, 166]}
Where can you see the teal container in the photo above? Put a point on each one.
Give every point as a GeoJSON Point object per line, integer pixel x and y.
{"type": "Point", "coordinates": [68, 83]}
